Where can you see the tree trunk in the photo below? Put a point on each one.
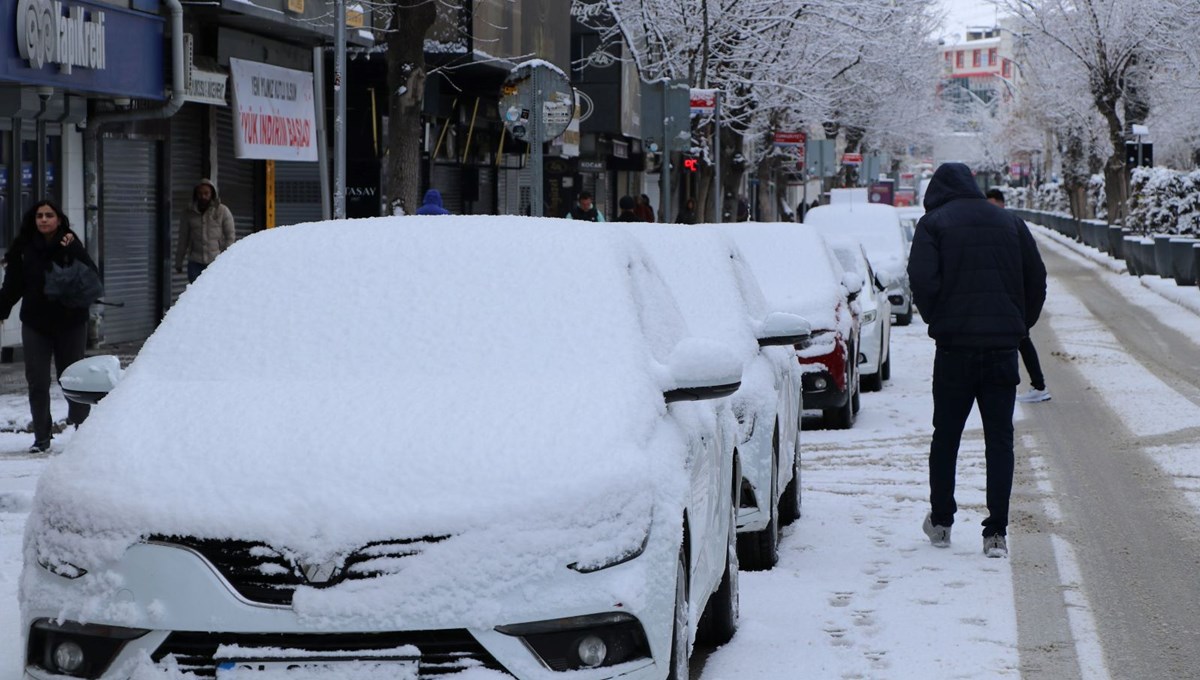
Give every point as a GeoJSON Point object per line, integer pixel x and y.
{"type": "Point", "coordinates": [1116, 184]}
{"type": "Point", "coordinates": [411, 19]}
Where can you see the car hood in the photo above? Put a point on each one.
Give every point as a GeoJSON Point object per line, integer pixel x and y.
{"type": "Point", "coordinates": [339, 467]}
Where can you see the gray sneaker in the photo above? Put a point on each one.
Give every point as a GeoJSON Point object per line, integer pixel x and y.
{"type": "Point", "coordinates": [939, 536]}
{"type": "Point", "coordinates": [995, 546]}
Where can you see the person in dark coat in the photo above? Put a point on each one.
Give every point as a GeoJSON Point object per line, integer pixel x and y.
{"type": "Point", "coordinates": [432, 204]}
{"type": "Point", "coordinates": [1029, 355]}
{"type": "Point", "coordinates": [584, 209]}
{"type": "Point", "coordinates": [688, 214]}
{"type": "Point", "coordinates": [979, 283]}
{"type": "Point", "coordinates": [643, 209]}
{"type": "Point", "coordinates": [49, 330]}
{"type": "Point", "coordinates": [628, 210]}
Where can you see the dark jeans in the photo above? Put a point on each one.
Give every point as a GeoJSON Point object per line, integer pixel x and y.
{"type": "Point", "coordinates": [961, 377]}
{"type": "Point", "coordinates": [65, 348]}
{"type": "Point", "coordinates": [194, 269]}
{"type": "Point", "coordinates": [1032, 365]}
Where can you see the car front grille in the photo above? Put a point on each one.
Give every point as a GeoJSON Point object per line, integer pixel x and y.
{"type": "Point", "coordinates": [265, 575]}
{"type": "Point", "coordinates": [443, 652]}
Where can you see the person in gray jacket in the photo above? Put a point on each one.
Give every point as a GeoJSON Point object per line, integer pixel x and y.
{"type": "Point", "coordinates": [205, 230]}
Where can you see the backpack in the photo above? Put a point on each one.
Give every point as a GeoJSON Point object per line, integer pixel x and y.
{"type": "Point", "coordinates": [74, 285]}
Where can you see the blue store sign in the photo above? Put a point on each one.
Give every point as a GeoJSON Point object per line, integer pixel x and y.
{"type": "Point", "coordinates": [82, 46]}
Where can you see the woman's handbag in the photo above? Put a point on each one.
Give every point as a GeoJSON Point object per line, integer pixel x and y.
{"type": "Point", "coordinates": [74, 285]}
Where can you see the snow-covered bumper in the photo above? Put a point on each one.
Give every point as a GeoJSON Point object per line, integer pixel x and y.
{"type": "Point", "coordinates": [168, 610]}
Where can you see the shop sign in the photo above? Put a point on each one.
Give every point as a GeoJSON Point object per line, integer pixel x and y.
{"type": "Point", "coordinates": [274, 117]}
{"type": "Point", "coordinates": [206, 87]}
{"type": "Point", "coordinates": [703, 102]}
{"type": "Point", "coordinates": [45, 35]}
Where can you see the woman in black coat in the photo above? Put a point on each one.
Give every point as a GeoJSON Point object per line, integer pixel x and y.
{"type": "Point", "coordinates": [49, 329]}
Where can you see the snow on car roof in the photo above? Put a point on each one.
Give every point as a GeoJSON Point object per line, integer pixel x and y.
{"type": "Point", "coordinates": [326, 382]}
{"type": "Point", "coordinates": [797, 272]}
{"type": "Point", "coordinates": [874, 225]}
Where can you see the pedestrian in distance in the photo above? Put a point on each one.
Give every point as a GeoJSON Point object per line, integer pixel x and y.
{"type": "Point", "coordinates": [50, 329]}
{"type": "Point", "coordinates": [1029, 355]}
{"type": "Point", "coordinates": [205, 231]}
{"type": "Point", "coordinates": [628, 208]}
{"type": "Point", "coordinates": [643, 209]}
{"type": "Point", "coordinates": [979, 283]}
{"type": "Point", "coordinates": [688, 214]}
{"type": "Point", "coordinates": [432, 205]}
{"type": "Point", "coordinates": [584, 209]}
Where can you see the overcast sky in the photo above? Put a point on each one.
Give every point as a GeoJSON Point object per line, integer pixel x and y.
{"type": "Point", "coordinates": [963, 13]}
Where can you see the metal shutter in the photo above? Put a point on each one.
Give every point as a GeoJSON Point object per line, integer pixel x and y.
{"type": "Point", "coordinates": [297, 192]}
{"type": "Point", "coordinates": [447, 179]}
{"type": "Point", "coordinates": [129, 189]}
{"type": "Point", "coordinates": [235, 178]}
{"type": "Point", "coordinates": [187, 168]}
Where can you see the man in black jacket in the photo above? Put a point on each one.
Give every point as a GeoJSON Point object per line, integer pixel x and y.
{"type": "Point", "coordinates": [978, 281]}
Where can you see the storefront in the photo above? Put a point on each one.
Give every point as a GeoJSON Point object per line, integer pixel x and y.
{"type": "Point", "coordinates": [57, 61]}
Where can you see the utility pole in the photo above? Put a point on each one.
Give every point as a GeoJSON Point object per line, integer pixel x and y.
{"type": "Point", "coordinates": [339, 109]}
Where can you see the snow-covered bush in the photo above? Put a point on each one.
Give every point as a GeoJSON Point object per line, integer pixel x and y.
{"type": "Point", "coordinates": [1051, 197]}
{"type": "Point", "coordinates": [1164, 201]}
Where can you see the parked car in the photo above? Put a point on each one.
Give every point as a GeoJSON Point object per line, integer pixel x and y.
{"type": "Point", "coordinates": [909, 216]}
{"type": "Point", "coordinates": [720, 298]}
{"type": "Point", "coordinates": [450, 443]}
{"type": "Point", "coordinates": [877, 227]}
{"type": "Point", "coordinates": [875, 315]}
{"type": "Point", "coordinates": [799, 274]}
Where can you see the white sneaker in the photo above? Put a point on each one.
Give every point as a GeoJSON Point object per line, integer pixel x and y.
{"type": "Point", "coordinates": [1034, 396]}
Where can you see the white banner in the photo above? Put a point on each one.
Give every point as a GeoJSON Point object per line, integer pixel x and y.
{"type": "Point", "coordinates": [274, 114]}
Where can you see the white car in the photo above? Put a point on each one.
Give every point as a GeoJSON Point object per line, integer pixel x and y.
{"type": "Point", "coordinates": [909, 216]}
{"type": "Point", "coordinates": [875, 316]}
{"type": "Point", "coordinates": [720, 298]}
{"type": "Point", "coordinates": [877, 227]}
{"type": "Point", "coordinates": [799, 274]}
{"type": "Point", "coordinates": [396, 448]}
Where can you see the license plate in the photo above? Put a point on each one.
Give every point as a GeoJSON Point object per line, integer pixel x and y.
{"type": "Point", "coordinates": [296, 669]}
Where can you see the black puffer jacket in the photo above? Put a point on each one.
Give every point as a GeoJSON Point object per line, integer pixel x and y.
{"type": "Point", "coordinates": [27, 262]}
{"type": "Point", "coordinates": [976, 275]}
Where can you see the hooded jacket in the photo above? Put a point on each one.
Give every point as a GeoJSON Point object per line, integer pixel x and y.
{"type": "Point", "coordinates": [976, 275]}
{"type": "Point", "coordinates": [204, 234]}
{"type": "Point", "coordinates": [432, 204]}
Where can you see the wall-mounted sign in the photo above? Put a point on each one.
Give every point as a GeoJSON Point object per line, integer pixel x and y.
{"type": "Point", "coordinates": [274, 117]}
{"type": "Point", "coordinates": [82, 46]}
{"type": "Point", "coordinates": [206, 87]}
{"type": "Point", "coordinates": [61, 34]}
{"type": "Point", "coordinates": [354, 16]}
{"type": "Point", "coordinates": [296, 6]}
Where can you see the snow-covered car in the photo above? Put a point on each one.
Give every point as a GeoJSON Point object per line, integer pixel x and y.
{"type": "Point", "coordinates": [800, 275]}
{"type": "Point", "coordinates": [721, 299]}
{"type": "Point", "coordinates": [877, 227]}
{"type": "Point", "coordinates": [909, 216]}
{"type": "Point", "coordinates": [875, 314]}
{"type": "Point", "coordinates": [396, 448]}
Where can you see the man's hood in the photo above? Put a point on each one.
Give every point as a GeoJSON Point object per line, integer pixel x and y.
{"type": "Point", "coordinates": [433, 197]}
{"type": "Point", "coordinates": [950, 181]}
{"type": "Point", "coordinates": [216, 196]}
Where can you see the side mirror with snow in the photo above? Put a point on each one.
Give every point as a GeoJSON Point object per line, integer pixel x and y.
{"type": "Point", "coordinates": [702, 369]}
{"type": "Point", "coordinates": [87, 381]}
{"type": "Point", "coordinates": [781, 328]}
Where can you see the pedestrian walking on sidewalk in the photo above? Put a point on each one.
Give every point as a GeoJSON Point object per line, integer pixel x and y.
{"type": "Point", "coordinates": [49, 329]}
{"type": "Point", "coordinates": [1029, 355]}
{"type": "Point", "coordinates": [979, 283]}
{"type": "Point", "coordinates": [205, 231]}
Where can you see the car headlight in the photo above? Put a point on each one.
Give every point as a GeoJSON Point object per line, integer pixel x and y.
{"type": "Point", "coordinates": [620, 556]}
{"type": "Point", "coordinates": [60, 568]}
{"type": "Point", "coordinates": [870, 315]}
